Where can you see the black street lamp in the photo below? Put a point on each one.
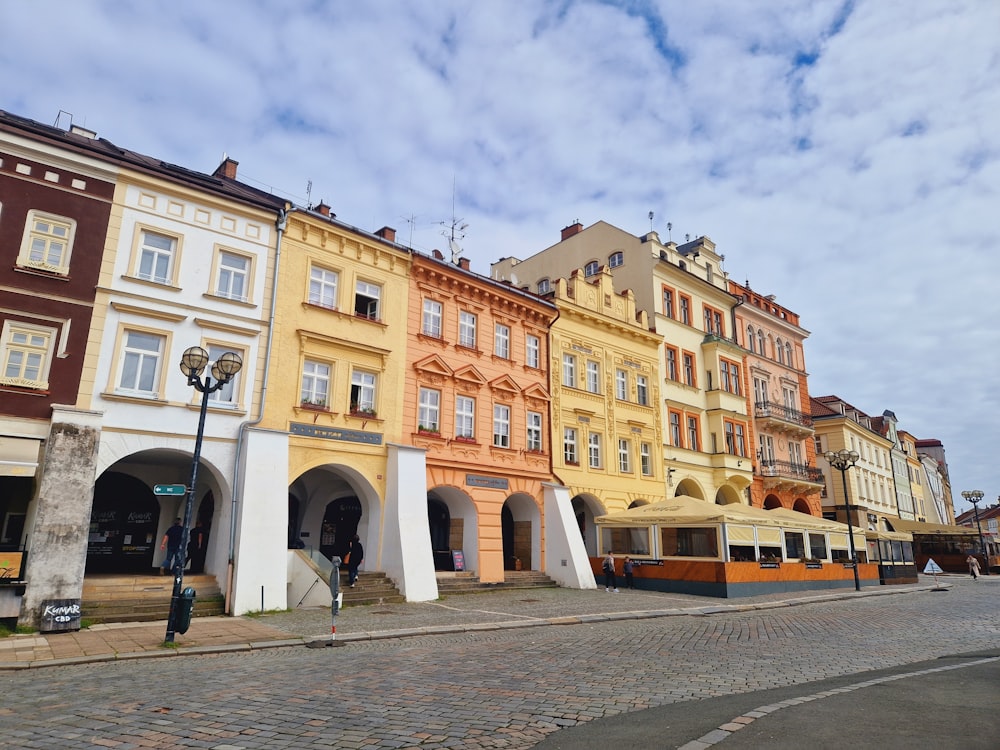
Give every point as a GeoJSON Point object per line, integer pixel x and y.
{"type": "Point", "coordinates": [193, 363]}
{"type": "Point", "coordinates": [844, 460]}
{"type": "Point", "coordinates": [975, 497]}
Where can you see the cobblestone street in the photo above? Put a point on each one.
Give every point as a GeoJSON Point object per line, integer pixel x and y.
{"type": "Point", "coordinates": [506, 688]}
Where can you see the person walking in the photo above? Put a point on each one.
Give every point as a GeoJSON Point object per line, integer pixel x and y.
{"type": "Point", "coordinates": [627, 568]}
{"type": "Point", "coordinates": [171, 543]}
{"type": "Point", "coordinates": [610, 582]}
{"type": "Point", "coordinates": [973, 564]}
{"type": "Point", "coordinates": [197, 548]}
{"type": "Point", "coordinates": [354, 557]}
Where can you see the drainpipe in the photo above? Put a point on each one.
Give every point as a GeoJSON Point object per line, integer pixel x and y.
{"type": "Point", "coordinates": [279, 225]}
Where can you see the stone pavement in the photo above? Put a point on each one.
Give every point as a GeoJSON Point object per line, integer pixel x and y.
{"type": "Point", "coordinates": [518, 608]}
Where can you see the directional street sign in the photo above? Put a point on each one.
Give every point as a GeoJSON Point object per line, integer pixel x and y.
{"type": "Point", "coordinates": [169, 489]}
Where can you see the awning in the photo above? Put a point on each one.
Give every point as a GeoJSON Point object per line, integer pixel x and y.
{"type": "Point", "coordinates": [891, 536]}
{"type": "Point", "coordinates": [18, 456]}
{"type": "Point", "coordinates": [930, 529]}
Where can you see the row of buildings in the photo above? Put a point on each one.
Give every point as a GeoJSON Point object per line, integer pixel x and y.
{"type": "Point", "coordinates": [384, 392]}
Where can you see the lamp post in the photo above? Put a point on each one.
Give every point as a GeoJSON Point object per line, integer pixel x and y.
{"type": "Point", "coordinates": [193, 363]}
{"type": "Point", "coordinates": [844, 460]}
{"type": "Point", "coordinates": [975, 497]}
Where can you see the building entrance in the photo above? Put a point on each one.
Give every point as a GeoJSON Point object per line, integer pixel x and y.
{"type": "Point", "coordinates": [123, 523]}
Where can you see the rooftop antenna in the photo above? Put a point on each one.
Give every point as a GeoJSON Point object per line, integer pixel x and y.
{"type": "Point", "coordinates": [455, 231]}
{"type": "Point", "coordinates": [669, 227]}
{"type": "Point", "coordinates": [59, 118]}
{"type": "Point", "coordinates": [309, 192]}
{"type": "Point", "coordinates": [411, 220]}
{"type": "Point", "coordinates": [650, 221]}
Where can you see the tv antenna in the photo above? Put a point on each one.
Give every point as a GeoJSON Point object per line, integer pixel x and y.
{"type": "Point", "coordinates": [650, 221]}
{"type": "Point", "coordinates": [454, 231]}
{"type": "Point", "coordinates": [669, 227]}
{"type": "Point", "coordinates": [309, 192]}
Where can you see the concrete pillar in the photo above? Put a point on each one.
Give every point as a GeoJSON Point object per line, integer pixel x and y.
{"type": "Point", "coordinates": [57, 542]}
{"type": "Point", "coordinates": [566, 560]}
{"type": "Point", "coordinates": [406, 545]}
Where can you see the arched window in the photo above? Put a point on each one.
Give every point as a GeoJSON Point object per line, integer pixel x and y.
{"type": "Point", "coordinates": [543, 286]}
{"type": "Point", "coordinates": [750, 343]}
{"type": "Point", "coordinates": [760, 343]}
{"type": "Point", "coordinates": [591, 268]}
{"type": "Point", "coordinates": [779, 351]}
{"type": "Point", "coordinates": [616, 259]}
{"type": "Point", "coordinates": [788, 354]}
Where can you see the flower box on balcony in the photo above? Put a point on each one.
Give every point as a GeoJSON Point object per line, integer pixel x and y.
{"type": "Point", "coordinates": [465, 439]}
{"type": "Point", "coordinates": [357, 411]}
{"type": "Point", "coordinates": [315, 405]}
{"type": "Point", "coordinates": [428, 431]}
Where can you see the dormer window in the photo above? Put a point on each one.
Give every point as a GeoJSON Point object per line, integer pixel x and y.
{"type": "Point", "coordinates": [616, 259]}
{"type": "Point", "coordinates": [544, 287]}
{"type": "Point", "coordinates": [591, 268]}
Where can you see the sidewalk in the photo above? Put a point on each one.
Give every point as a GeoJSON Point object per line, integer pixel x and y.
{"type": "Point", "coordinates": [516, 608]}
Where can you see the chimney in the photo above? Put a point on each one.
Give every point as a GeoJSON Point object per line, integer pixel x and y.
{"type": "Point", "coordinates": [574, 228]}
{"type": "Point", "coordinates": [438, 255]}
{"type": "Point", "coordinates": [386, 233]}
{"type": "Point", "coordinates": [226, 169]}
{"type": "Point", "coordinates": [324, 209]}
{"type": "Point", "coordinates": [463, 263]}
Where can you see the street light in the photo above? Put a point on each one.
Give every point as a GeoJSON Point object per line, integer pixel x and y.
{"type": "Point", "coordinates": [975, 497]}
{"type": "Point", "coordinates": [844, 460]}
{"type": "Point", "coordinates": [193, 363]}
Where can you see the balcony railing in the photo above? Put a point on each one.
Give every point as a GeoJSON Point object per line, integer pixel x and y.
{"type": "Point", "coordinates": [789, 470]}
{"type": "Point", "coordinates": [765, 409]}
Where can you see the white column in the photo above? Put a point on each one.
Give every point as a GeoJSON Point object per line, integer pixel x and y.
{"type": "Point", "coordinates": [566, 560]}
{"type": "Point", "coordinates": [406, 543]}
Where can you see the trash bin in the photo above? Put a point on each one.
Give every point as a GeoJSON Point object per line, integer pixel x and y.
{"type": "Point", "coordinates": [185, 606]}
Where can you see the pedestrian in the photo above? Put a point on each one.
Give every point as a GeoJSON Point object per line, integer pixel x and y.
{"type": "Point", "coordinates": [973, 564]}
{"type": "Point", "coordinates": [171, 543]}
{"type": "Point", "coordinates": [610, 583]}
{"type": "Point", "coordinates": [628, 567]}
{"type": "Point", "coordinates": [197, 548]}
{"type": "Point", "coordinates": [354, 557]}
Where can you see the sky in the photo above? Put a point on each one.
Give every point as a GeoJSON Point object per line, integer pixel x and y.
{"type": "Point", "coordinates": [843, 155]}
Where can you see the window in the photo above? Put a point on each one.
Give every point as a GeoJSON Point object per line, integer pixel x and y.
{"type": "Point", "coordinates": [431, 321]}
{"type": "Point", "coordinates": [47, 242]}
{"type": "Point", "coordinates": [779, 351]}
{"type": "Point", "coordinates": [795, 453]}
{"type": "Point", "coordinates": [593, 377]}
{"type": "Point", "coordinates": [156, 257]}
{"type": "Point", "coordinates": [315, 383]}
{"type": "Point", "coordinates": [788, 355]}
{"type": "Point", "coordinates": [594, 450]}
{"type": "Point", "coordinates": [689, 369]}
{"type": "Point", "coordinates": [760, 343]}
{"type": "Point", "coordinates": [141, 363]}
{"type": "Point", "coordinates": [642, 390]}
{"type": "Point", "coordinates": [501, 426]}
{"type": "Point", "coordinates": [591, 268]}
{"type": "Point", "coordinates": [621, 385]}
{"type": "Point", "coordinates": [534, 431]}
{"type": "Point", "coordinates": [465, 417]}
{"type": "Point", "coordinates": [467, 329]}
{"type": "Point", "coordinates": [713, 321]}
{"type": "Point", "coordinates": [645, 459]}
{"type": "Point", "coordinates": [26, 354]}
{"type": "Point", "coordinates": [429, 410]}
{"type": "Point", "coordinates": [227, 394]}
{"type": "Point", "coordinates": [569, 371]}
{"type": "Point", "coordinates": [730, 376]}
{"type": "Point", "coordinates": [750, 340]}
{"type": "Point", "coordinates": [672, 372]}
{"type": "Point", "coordinates": [544, 286]}
{"type": "Point", "coordinates": [675, 429]}
{"type": "Point", "coordinates": [363, 391]}
{"type": "Point", "coordinates": [616, 259]}
{"type": "Point", "coordinates": [694, 439]}
{"type": "Point", "coordinates": [668, 302]}
{"type": "Point", "coordinates": [624, 457]}
{"type": "Point", "coordinates": [735, 438]}
{"type": "Point", "coordinates": [760, 391]}
{"type": "Point", "coordinates": [685, 309]}
{"type": "Point", "coordinates": [366, 300]}
{"type": "Point", "coordinates": [501, 341]}
{"type": "Point", "coordinates": [233, 276]}
{"type": "Point", "coordinates": [689, 542]}
{"type": "Point", "coordinates": [323, 287]}
{"type": "Point", "coordinates": [569, 446]}
{"type": "Point", "coordinates": [532, 351]}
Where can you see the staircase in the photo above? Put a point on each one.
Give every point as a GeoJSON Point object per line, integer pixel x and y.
{"type": "Point", "coordinates": [370, 588]}
{"type": "Point", "coordinates": [144, 598]}
{"type": "Point", "coordinates": [450, 584]}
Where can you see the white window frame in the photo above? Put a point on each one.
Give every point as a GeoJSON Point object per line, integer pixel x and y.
{"type": "Point", "coordinates": [431, 321]}
{"type": "Point", "coordinates": [591, 268]}
{"type": "Point", "coordinates": [532, 351]}
{"type": "Point", "coordinates": [155, 254]}
{"type": "Point", "coordinates": [467, 322]}
{"type": "Point", "coordinates": [570, 455]}
{"type": "Point", "coordinates": [429, 410]}
{"type": "Point", "coordinates": [229, 276]}
{"type": "Point", "coordinates": [132, 352]}
{"type": "Point", "coordinates": [621, 385]}
{"type": "Point", "coordinates": [616, 259]}
{"type": "Point", "coordinates": [594, 459]}
{"type": "Point", "coordinates": [501, 340]}
{"type": "Point", "coordinates": [569, 370]}
{"type": "Point", "coordinates": [624, 456]}
{"type": "Point", "coordinates": [465, 417]}
{"type": "Point", "coordinates": [501, 426]}
{"type": "Point", "coordinates": [642, 390]}
{"type": "Point", "coordinates": [593, 376]}
{"type": "Point", "coordinates": [315, 383]}
{"type": "Point", "coordinates": [367, 300]}
{"type": "Point", "coordinates": [37, 244]}
{"type": "Point", "coordinates": [323, 285]}
{"type": "Point", "coordinates": [35, 352]}
{"type": "Point", "coordinates": [534, 431]}
{"type": "Point", "coordinates": [646, 459]}
{"type": "Point", "coordinates": [227, 395]}
{"type": "Point", "coordinates": [364, 390]}
{"type": "Point", "coordinates": [544, 286]}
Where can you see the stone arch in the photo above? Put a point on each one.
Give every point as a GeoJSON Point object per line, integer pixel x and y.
{"type": "Point", "coordinates": [586, 508]}
{"type": "Point", "coordinates": [689, 487]}
{"type": "Point", "coordinates": [771, 502]}
{"type": "Point", "coordinates": [521, 528]}
{"type": "Point", "coordinates": [727, 495]}
{"type": "Point", "coordinates": [802, 507]}
{"type": "Point", "coordinates": [455, 527]}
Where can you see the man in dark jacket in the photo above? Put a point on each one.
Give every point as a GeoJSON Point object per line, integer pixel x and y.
{"type": "Point", "coordinates": [355, 556]}
{"type": "Point", "coordinates": [171, 543]}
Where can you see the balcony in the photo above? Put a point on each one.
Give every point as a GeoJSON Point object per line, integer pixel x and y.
{"type": "Point", "coordinates": [785, 475]}
{"type": "Point", "coordinates": [783, 419]}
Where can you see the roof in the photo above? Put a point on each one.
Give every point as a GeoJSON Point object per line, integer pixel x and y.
{"type": "Point", "coordinates": [928, 529]}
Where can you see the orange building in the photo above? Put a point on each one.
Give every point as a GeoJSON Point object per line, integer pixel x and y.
{"type": "Point", "coordinates": [477, 401]}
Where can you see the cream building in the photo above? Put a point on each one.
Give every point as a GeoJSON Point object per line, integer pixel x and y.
{"type": "Point", "coordinates": [683, 290]}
